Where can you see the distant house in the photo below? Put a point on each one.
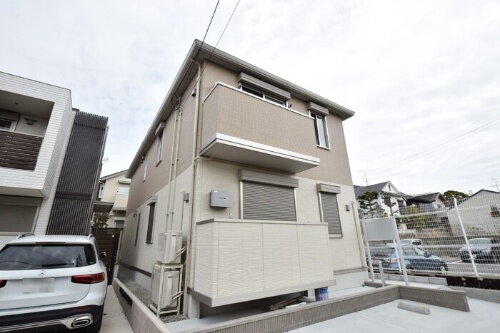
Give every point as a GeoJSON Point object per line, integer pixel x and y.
{"type": "Point", "coordinates": [112, 197]}
{"type": "Point", "coordinates": [480, 214]}
{"type": "Point", "coordinates": [50, 159]}
{"type": "Point", "coordinates": [388, 202]}
{"type": "Point", "coordinates": [433, 199]}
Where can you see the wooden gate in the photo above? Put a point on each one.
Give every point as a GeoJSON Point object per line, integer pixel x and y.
{"type": "Point", "coordinates": [108, 240]}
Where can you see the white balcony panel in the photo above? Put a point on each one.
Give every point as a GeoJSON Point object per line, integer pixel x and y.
{"type": "Point", "coordinates": [242, 260]}
{"type": "Point", "coordinates": [234, 149]}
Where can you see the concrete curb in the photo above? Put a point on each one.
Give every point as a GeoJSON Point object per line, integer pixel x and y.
{"type": "Point", "coordinates": [141, 319]}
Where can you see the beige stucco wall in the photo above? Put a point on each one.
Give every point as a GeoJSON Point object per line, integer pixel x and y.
{"type": "Point", "coordinates": [218, 175]}
{"type": "Point", "coordinates": [111, 186]}
{"type": "Point", "coordinates": [143, 255]}
{"type": "Point", "coordinates": [240, 115]}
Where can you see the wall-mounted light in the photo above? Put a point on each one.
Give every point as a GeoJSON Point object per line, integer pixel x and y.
{"type": "Point", "coordinates": [30, 121]}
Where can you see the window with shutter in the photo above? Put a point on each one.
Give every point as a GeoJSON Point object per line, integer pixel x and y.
{"type": "Point", "coordinates": [330, 209]}
{"type": "Point", "coordinates": [268, 202]}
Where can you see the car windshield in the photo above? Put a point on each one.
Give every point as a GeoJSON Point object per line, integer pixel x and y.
{"type": "Point", "coordinates": [420, 252]}
{"type": "Point", "coordinates": [46, 256]}
{"type": "Point", "coordinates": [480, 241]}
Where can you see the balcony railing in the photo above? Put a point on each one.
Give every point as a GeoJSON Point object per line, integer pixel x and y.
{"type": "Point", "coordinates": [19, 151]}
{"type": "Point", "coordinates": [244, 128]}
{"type": "Point", "coordinates": [241, 260]}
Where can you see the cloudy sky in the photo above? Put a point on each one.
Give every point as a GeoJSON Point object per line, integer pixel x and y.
{"type": "Point", "coordinates": [422, 76]}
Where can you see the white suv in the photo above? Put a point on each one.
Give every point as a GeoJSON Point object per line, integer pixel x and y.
{"type": "Point", "coordinates": [51, 282]}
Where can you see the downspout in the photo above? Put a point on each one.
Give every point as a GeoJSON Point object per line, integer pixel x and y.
{"type": "Point", "coordinates": [196, 159]}
{"type": "Point", "coordinates": [173, 168]}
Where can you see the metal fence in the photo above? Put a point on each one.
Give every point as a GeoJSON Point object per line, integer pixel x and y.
{"type": "Point", "coordinates": [455, 237]}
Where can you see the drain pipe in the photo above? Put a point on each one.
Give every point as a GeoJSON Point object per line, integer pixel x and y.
{"type": "Point", "coordinates": [173, 168]}
{"type": "Point", "coordinates": [193, 309]}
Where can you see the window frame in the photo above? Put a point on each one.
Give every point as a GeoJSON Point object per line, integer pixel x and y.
{"type": "Point", "coordinates": [159, 148]}
{"type": "Point", "coordinates": [262, 95]}
{"type": "Point", "coordinates": [13, 124]}
{"type": "Point", "coordinates": [320, 199]}
{"type": "Point", "coordinates": [151, 222]}
{"type": "Point", "coordinates": [315, 117]}
{"type": "Point", "coordinates": [137, 229]}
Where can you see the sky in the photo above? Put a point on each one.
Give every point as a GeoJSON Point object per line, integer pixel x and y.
{"type": "Point", "coordinates": [422, 76]}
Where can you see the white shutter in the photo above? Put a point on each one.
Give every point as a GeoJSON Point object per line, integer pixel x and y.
{"type": "Point", "coordinates": [330, 208]}
{"type": "Point", "coordinates": [268, 202]}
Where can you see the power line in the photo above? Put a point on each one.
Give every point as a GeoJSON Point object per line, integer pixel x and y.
{"type": "Point", "coordinates": [432, 149]}
{"type": "Point", "coordinates": [214, 48]}
{"type": "Point", "coordinates": [202, 42]}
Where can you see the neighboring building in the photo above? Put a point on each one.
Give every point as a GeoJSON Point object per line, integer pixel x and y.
{"type": "Point", "coordinates": [389, 200]}
{"type": "Point", "coordinates": [254, 171]}
{"type": "Point", "coordinates": [50, 159]}
{"type": "Point", "coordinates": [112, 197]}
{"type": "Point", "coordinates": [427, 200]}
{"type": "Point", "coordinates": [480, 214]}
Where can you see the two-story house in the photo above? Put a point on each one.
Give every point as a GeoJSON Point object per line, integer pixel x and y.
{"type": "Point", "coordinates": [50, 159]}
{"type": "Point", "coordinates": [112, 197]}
{"type": "Point", "coordinates": [254, 171]}
{"type": "Point", "coordinates": [381, 199]}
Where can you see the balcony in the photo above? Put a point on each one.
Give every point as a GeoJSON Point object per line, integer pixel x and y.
{"type": "Point", "coordinates": [243, 128]}
{"type": "Point", "coordinates": [19, 151]}
{"type": "Point", "coordinates": [120, 202]}
{"type": "Point", "coordinates": [242, 260]}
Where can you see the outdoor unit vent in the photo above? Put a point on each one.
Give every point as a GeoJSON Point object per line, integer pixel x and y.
{"type": "Point", "coordinates": [169, 247]}
{"type": "Point", "coordinates": [164, 287]}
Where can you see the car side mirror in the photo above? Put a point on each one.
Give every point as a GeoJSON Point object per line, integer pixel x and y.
{"type": "Point", "coordinates": [102, 255]}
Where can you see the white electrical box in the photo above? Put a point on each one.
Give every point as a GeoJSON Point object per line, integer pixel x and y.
{"type": "Point", "coordinates": [164, 287]}
{"type": "Point", "coordinates": [220, 199]}
{"type": "Point", "coordinates": [169, 247]}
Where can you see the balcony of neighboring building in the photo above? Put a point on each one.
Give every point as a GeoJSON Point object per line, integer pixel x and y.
{"type": "Point", "coordinates": [242, 260]}
{"type": "Point", "coordinates": [23, 122]}
{"type": "Point", "coordinates": [243, 128]}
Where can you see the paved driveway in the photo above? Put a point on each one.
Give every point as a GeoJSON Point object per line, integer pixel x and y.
{"type": "Point", "coordinates": [114, 320]}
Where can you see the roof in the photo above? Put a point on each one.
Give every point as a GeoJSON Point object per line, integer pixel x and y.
{"type": "Point", "coordinates": [425, 197]}
{"type": "Point", "coordinates": [114, 174]}
{"type": "Point", "coordinates": [360, 190]}
{"type": "Point", "coordinates": [201, 51]}
{"type": "Point", "coordinates": [51, 239]}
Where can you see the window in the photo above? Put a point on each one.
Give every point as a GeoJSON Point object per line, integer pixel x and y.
{"type": "Point", "coordinates": [7, 124]}
{"type": "Point", "coordinates": [100, 191]}
{"type": "Point", "coordinates": [159, 147]}
{"type": "Point", "coordinates": [263, 95]}
{"type": "Point", "coordinates": [145, 169]}
{"type": "Point", "coordinates": [46, 256]}
{"type": "Point", "coordinates": [137, 230]}
{"type": "Point", "coordinates": [123, 189]}
{"type": "Point", "coordinates": [495, 211]}
{"type": "Point", "coordinates": [330, 213]}
{"type": "Point", "coordinates": [149, 234]}
{"type": "Point", "coordinates": [268, 202]}
{"type": "Point", "coordinates": [320, 130]}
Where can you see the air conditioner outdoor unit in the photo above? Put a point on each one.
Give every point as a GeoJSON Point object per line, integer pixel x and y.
{"type": "Point", "coordinates": [169, 247]}
{"type": "Point", "coordinates": [165, 287]}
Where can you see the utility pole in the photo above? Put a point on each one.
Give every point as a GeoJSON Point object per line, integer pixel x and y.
{"type": "Point", "coordinates": [496, 183]}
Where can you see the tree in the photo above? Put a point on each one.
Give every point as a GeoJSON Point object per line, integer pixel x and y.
{"type": "Point", "coordinates": [450, 194]}
{"type": "Point", "coordinates": [415, 220]}
{"type": "Point", "coordinates": [100, 220]}
{"type": "Point", "coordinates": [367, 205]}
{"type": "Point", "coordinates": [366, 199]}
